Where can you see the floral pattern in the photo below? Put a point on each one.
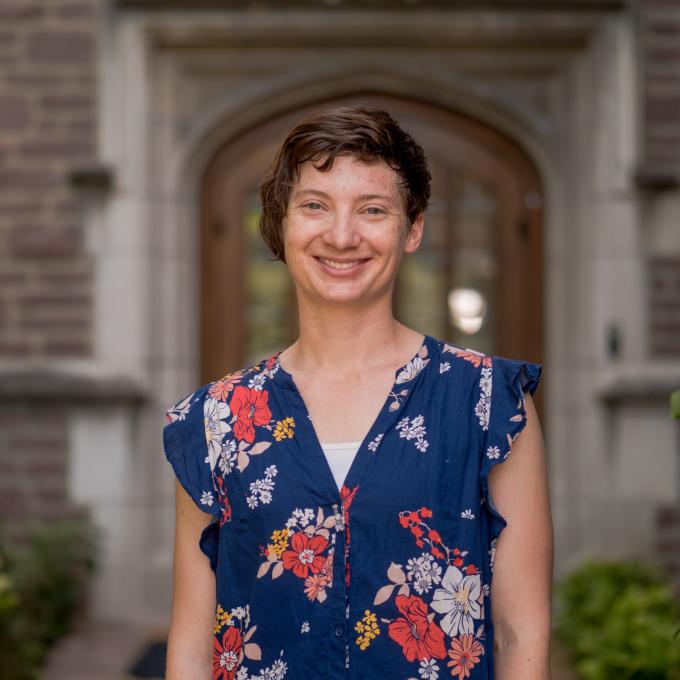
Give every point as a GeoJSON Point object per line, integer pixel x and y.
{"type": "Point", "coordinates": [243, 446]}
{"type": "Point", "coordinates": [459, 598]}
{"type": "Point", "coordinates": [305, 548]}
{"type": "Point", "coordinates": [232, 645]}
{"type": "Point", "coordinates": [414, 429]}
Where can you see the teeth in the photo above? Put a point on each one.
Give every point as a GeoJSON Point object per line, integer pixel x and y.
{"type": "Point", "coordinates": [340, 265]}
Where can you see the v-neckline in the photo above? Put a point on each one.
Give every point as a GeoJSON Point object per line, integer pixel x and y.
{"type": "Point", "coordinates": [306, 436]}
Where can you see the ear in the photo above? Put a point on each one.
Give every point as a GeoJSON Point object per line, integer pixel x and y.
{"type": "Point", "coordinates": [415, 234]}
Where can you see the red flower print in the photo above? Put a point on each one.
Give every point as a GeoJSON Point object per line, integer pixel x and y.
{"type": "Point", "coordinates": [347, 496]}
{"type": "Point", "coordinates": [227, 654]}
{"type": "Point", "coordinates": [465, 652]}
{"type": "Point", "coordinates": [438, 553]}
{"type": "Point", "coordinates": [471, 569]}
{"type": "Point", "coordinates": [434, 536]}
{"type": "Point", "coordinates": [251, 408]}
{"type": "Point", "coordinates": [314, 584]}
{"type": "Point", "coordinates": [224, 501]}
{"type": "Point", "coordinates": [221, 388]}
{"type": "Point", "coordinates": [419, 637]}
{"type": "Point", "coordinates": [425, 512]}
{"type": "Point", "coordinates": [305, 555]}
{"type": "Point", "coordinates": [474, 357]}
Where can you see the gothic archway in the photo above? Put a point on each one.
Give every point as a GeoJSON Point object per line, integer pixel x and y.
{"type": "Point", "coordinates": [477, 279]}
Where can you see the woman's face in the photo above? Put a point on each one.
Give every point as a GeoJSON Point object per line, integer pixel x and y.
{"type": "Point", "coordinates": [346, 230]}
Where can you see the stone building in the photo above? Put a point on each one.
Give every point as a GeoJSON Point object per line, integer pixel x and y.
{"type": "Point", "coordinates": [132, 137]}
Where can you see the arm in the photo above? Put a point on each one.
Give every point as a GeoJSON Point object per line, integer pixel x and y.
{"type": "Point", "coordinates": [522, 578]}
{"type": "Point", "coordinates": [193, 596]}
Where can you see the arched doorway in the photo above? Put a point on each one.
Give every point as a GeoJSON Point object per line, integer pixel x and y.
{"type": "Point", "coordinates": [476, 281]}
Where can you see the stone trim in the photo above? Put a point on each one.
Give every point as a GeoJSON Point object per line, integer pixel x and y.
{"type": "Point", "coordinates": [69, 388]}
{"type": "Point", "coordinates": [412, 5]}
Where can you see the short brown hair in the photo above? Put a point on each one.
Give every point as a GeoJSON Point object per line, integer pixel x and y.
{"type": "Point", "coordinates": [369, 134]}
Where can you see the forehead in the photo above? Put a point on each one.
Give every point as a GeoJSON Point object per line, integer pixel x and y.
{"type": "Point", "coordinates": [347, 174]}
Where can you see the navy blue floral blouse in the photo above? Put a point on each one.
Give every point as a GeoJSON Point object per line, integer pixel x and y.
{"type": "Point", "coordinates": [388, 578]}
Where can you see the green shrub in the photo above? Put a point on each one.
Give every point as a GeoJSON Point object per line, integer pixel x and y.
{"type": "Point", "coordinates": [620, 620]}
{"type": "Point", "coordinates": [42, 586]}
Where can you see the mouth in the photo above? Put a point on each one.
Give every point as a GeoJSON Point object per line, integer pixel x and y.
{"type": "Point", "coordinates": [341, 266]}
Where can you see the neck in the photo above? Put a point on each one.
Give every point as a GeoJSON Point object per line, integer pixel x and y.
{"type": "Point", "coordinates": [333, 345]}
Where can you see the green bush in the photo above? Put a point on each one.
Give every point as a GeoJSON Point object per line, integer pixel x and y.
{"type": "Point", "coordinates": [42, 586]}
{"type": "Point", "coordinates": [620, 620]}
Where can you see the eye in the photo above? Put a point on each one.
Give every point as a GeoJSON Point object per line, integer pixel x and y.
{"type": "Point", "coordinates": [311, 203]}
{"type": "Point", "coordinates": [380, 210]}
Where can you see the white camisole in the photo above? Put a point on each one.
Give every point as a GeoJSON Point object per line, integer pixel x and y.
{"type": "Point", "coordinates": [340, 456]}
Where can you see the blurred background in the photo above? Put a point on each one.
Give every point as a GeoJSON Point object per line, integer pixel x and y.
{"type": "Point", "coordinates": [133, 134]}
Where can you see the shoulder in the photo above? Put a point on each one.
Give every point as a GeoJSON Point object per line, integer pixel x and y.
{"type": "Point", "coordinates": [464, 368]}
{"type": "Point", "coordinates": [478, 364]}
{"type": "Point", "coordinates": [497, 385]}
{"type": "Point", "coordinates": [221, 389]}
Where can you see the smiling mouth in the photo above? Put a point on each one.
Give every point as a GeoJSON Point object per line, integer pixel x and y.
{"type": "Point", "coordinates": [341, 264]}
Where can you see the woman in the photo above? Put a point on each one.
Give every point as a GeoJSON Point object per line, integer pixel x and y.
{"type": "Point", "coordinates": [348, 478]}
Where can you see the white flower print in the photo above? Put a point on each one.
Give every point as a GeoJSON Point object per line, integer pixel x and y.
{"type": "Point", "coordinates": [414, 430]}
{"type": "Point", "coordinates": [424, 572]}
{"type": "Point", "coordinates": [228, 660]}
{"type": "Point", "coordinates": [242, 673]}
{"type": "Point", "coordinates": [485, 381]}
{"type": "Point", "coordinates": [305, 627]}
{"type": "Point", "coordinates": [300, 518]}
{"type": "Point", "coordinates": [228, 457]}
{"type": "Point", "coordinates": [444, 366]}
{"type": "Point", "coordinates": [492, 553]}
{"type": "Point", "coordinates": [458, 600]}
{"type": "Point", "coordinates": [493, 452]}
{"type": "Point", "coordinates": [483, 406]}
{"type": "Point", "coordinates": [207, 498]}
{"type": "Point", "coordinates": [257, 381]}
{"type": "Point", "coordinates": [215, 415]}
{"type": "Point", "coordinates": [261, 489]}
{"type": "Point", "coordinates": [276, 671]}
{"type": "Point", "coordinates": [421, 444]}
{"type": "Point", "coordinates": [467, 514]}
{"type": "Point", "coordinates": [373, 446]}
{"type": "Point", "coordinates": [429, 670]}
{"type": "Point", "coordinates": [411, 370]}
{"type": "Point", "coordinates": [180, 410]}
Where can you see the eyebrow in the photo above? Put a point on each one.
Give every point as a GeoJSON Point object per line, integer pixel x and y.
{"type": "Point", "coordinates": [363, 197]}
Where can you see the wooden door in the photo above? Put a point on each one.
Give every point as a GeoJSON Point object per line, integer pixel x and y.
{"type": "Point", "coordinates": [476, 281]}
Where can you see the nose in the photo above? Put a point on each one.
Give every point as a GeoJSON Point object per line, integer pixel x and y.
{"type": "Point", "coordinates": [342, 232]}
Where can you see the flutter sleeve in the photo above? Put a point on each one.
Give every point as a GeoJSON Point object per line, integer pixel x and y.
{"type": "Point", "coordinates": [188, 446]}
{"type": "Point", "coordinates": [508, 381]}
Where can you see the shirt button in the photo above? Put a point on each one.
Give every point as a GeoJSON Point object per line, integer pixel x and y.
{"type": "Point", "coordinates": [339, 631]}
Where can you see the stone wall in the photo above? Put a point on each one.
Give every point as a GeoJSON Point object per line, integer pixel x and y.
{"type": "Point", "coordinates": [660, 49]}
{"type": "Point", "coordinates": [48, 124]}
{"type": "Point", "coordinates": [660, 170]}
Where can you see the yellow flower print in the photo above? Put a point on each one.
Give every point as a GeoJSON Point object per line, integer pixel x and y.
{"type": "Point", "coordinates": [367, 628]}
{"type": "Point", "coordinates": [284, 428]}
{"type": "Point", "coordinates": [222, 618]}
{"type": "Point", "coordinates": [280, 542]}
